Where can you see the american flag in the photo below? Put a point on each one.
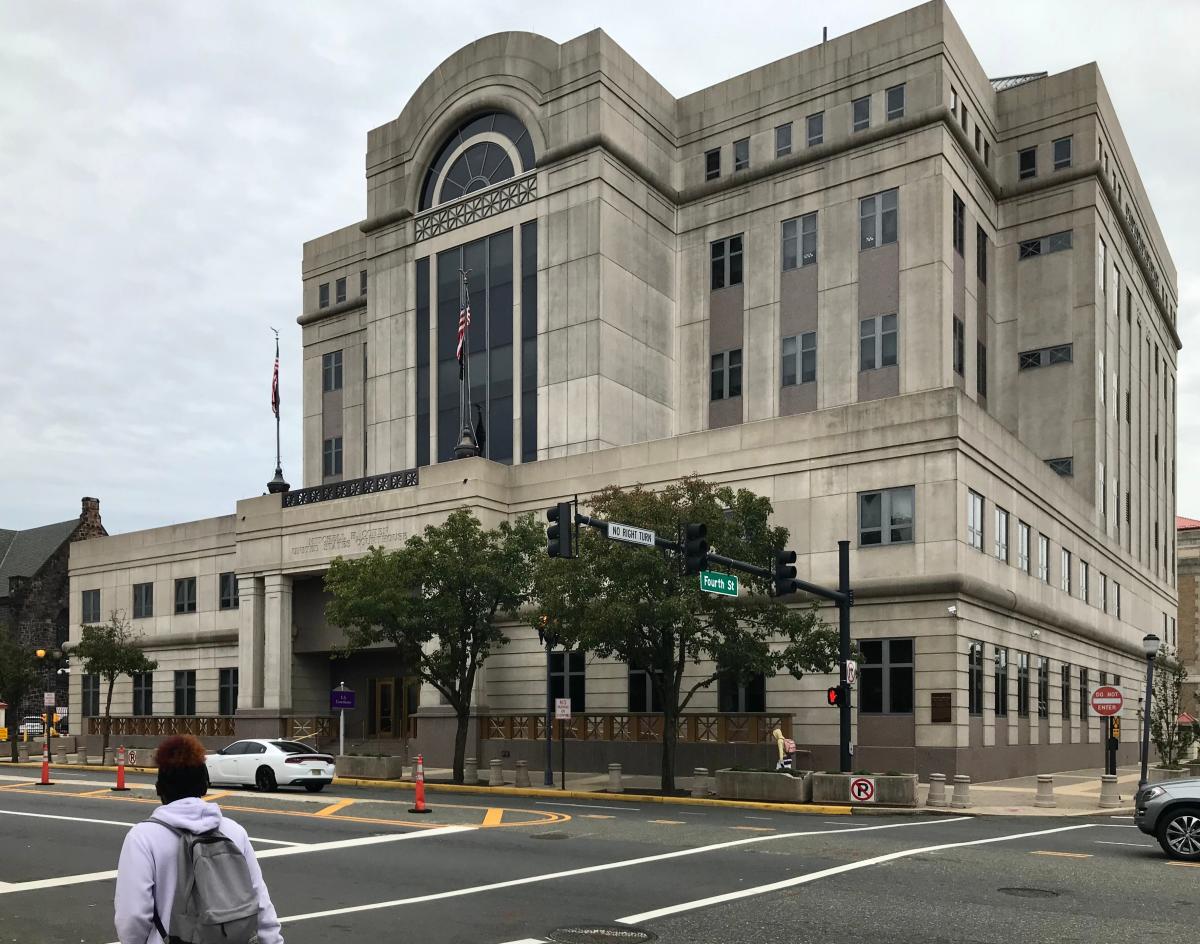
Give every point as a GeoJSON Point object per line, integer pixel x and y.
{"type": "Point", "coordinates": [464, 322]}
{"type": "Point", "coordinates": [275, 383]}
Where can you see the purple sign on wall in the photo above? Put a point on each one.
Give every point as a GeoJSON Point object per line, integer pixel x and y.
{"type": "Point", "coordinates": [341, 699]}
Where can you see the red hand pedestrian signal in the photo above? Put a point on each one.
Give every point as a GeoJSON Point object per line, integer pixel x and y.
{"type": "Point", "coordinates": [834, 695]}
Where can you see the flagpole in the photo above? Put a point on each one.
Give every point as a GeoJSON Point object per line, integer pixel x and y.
{"type": "Point", "coordinates": [467, 443]}
{"type": "Point", "coordinates": [277, 484]}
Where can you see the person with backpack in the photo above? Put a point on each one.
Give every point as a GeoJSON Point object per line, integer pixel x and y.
{"type": "Point", "coordinates": [786, 747]}
{"type": "Point", "coordinates": [188, 875]}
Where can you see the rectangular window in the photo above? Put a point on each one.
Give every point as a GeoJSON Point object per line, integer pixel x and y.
{"type": "Point", "coordinates": [143, 600]}
{"type": "Point", "coordinates": [1102, 590]}
{"type": "Point", "coordinates": [741, 154]}
{"type": "Point", "coordinates": [340, 289]}
{"type": "Point", "coordinates": [738, 697]}
{"type": "Point", "coordinates": [331, 371]}
{"type": "Point", "coordinates": [727, 375]}
{"type": "Point", "coordinates": [1065, 690]}
{"type": "Point", "coordinates": [799, 244]}
{"type": "Point", "coordinates": [227, 692]}
{"type": "Point", "coordinates": [323, 295]}
{"type": "Point", "coordinates": [1116, 599]}
{"type": "Point", "coordinates": [877, 342]}
{"type": "Point", "coordinates": [331, 456]}
{"type": "Point", "coordinates": [960, 224]}
{"type": "Point", "coordinates": [1083, 694]}
{"type": "Point", "coordinates": [1045, 357]}
{"type": "Point", "coordinates": [1044, 245]}
{"type": "Point", "coordinates": [1064, 465]}
{"type": "Point", "coordinates": [1062, 153]}
{"type": "Point", "coordinates": [1043, 683]}
{"type": "Point", "coordinates": [185, 595]}
{"type": "Point", "coordinates": [953, 101]}
{"type": "Point", "coordinates": [1023, 546]}
{"type": "Point", "coordinates": [1043, 558]}
{"type": "Point", "coordinates": [643, 696]}
{"type": "Point", "coordinates": [229, 591]}
{"type": "Point", "coordinates": [799, 359]}
{"type": "Point", "coordinates": [975, 678]}
{"type": "Point", "coordinates": [987, 154]}
{"type": "Point", "coordinates": [815, 129]}
{"type": "Point", "coordinates": [878, 219]}
{"type": "Point", "coordinates": [1066, 572]}
{"type": "Point", "coordinates": [568, 679]}
{"type": "Point", "coordinates": [1085, 579]}
{"type": "Point", "coordinates": [886, 676]}
{"type": "Point", "coordinates": [712, 164]}
{"type": "Point", "coordinates": [185, 692]}
{"type": "Point", "coordinates": [885, 516]}
{"type": "Point", "coordinates": [960, 345]}
{"type": "Point", "coordinates": [964, 116]}
{"type": "Point", "coordinates": [1001, 534]}
{"type": "Point", "coordinates": [362, 282]}
{"type": "Point", "coordinates": [143, 693]}
{"type": "Point", "coordinates": [975, 520]}
{"type": "Point", "coordinates": [978, 140]}
{"type": "Point", "coordinates": [1101, 266]}
{"type": "Point", "coordinates": [1000, 699]}
{"type": "Point", "coordinates": [981, 247]}
{"type": "Point", "coordinates": [1027, 163]}
{"type": "Point", "coordinates": [1022, 684]}
{"type": "Point", "coordinates": [895, 102]}
{"type": "Point", "coordinates": [862, 112]}
{"type": "Point", "coordinates": [783, 140]}
{"type": "Point", "coordinates": [981, 368]}
{"type": "Point", "coordinates": [90, 610]}
{"type": "Point", "coordinates": [90, 692]}
{"type": "Point", "coordinates": [726, 259]}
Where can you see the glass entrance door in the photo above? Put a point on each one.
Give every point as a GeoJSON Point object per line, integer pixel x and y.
{"type": "Point", "coordinates": [385, 707]}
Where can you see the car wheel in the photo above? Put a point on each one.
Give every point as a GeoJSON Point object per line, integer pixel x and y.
{"type": "Point", "coordinates": [314, 787]}
{"type": "Point", "coordinates": [265, 780]}
{"type": "Point", "coordinates": [1179, 834]}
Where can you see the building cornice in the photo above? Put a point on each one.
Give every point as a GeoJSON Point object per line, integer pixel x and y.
{"type": "Point", "coordinates": [320, 314]}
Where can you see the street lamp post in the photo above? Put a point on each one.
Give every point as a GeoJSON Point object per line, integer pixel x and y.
{"type": "Point", "coordinates": [1150, 644]}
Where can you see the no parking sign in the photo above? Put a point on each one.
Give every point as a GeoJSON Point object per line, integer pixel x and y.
{"type": "Point", "coordinates": [862, 790]}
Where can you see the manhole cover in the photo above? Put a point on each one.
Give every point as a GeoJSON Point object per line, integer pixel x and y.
{"type": "Point", "coordinates": [1029, 892]}
{"type": "Point", "coordinates": [600, 935]}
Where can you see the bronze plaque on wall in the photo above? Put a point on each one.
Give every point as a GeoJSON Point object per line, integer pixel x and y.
{"type": "Point", "coordinates": [939, 703]}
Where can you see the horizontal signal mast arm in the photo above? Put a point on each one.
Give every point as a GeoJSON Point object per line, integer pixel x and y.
{"type": "Point", "coordinates": [601, 525]}
{"type": "Point", "coordinates": [815, 589]}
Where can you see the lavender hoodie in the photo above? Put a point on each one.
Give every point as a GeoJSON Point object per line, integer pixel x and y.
{"type": "Point", "coordinates": [149, 865]}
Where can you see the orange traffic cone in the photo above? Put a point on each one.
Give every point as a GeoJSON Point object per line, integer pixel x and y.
{"type": "Point", "coordinates": [420, 807]}
{"type": "Point", "coordinates": [120, 769]}
{"type": "Point", "coordinates": [45, 781]}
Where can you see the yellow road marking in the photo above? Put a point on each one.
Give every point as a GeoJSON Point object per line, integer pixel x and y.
{"type": "Point", "coordinates": [1065, 855]}
{"type": "Point", "coordinates": [668, 822]}
{"type": "Point", "coordinates": [492, 817]}
{"type": "Point", "coordinates": [596, 816]}
{"type": "Point", "coordinates": [216, 796]}
{"type": "Point", "coordinates": [333, 808]}
{"type": "Point", "coordinates": [756, 829]}
{"type": "Point", "coordinates": [1186, 865]}
{"type": "Point", "coordinates": [95, 793]}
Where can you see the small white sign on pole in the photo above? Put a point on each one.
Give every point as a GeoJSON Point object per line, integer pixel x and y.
{"type": "Point", "coordinates": [851, 671]}
{"type": "Point", "coordinates": [48, 699]}
{"type": "Point", "coordinates": [862, 790]}
{"type": "Point", "coordinates": [630, 535]}
{"type": "Point", "coordinates": [562, 709]}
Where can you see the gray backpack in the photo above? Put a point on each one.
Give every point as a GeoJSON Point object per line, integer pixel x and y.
{"type": "Point", "coordinates": [215, 901]}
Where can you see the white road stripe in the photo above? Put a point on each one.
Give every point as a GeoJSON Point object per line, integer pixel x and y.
{"type": "Point", "coordinates": [266, 854]}
{"type": "Point", "coordinates": [117, 822]}
{"type": "Point", "coordinates": [827, 873]}
{"type": "Point", "coordinates": [1136, 845]}
{"type": "Point", "coordinates": [593, 806]}
{"type": "Point", "coordinates": [591, 869]}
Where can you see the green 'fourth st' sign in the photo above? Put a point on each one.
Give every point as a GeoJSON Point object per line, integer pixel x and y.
{"type": "Point", "coordinates": [713, 582]}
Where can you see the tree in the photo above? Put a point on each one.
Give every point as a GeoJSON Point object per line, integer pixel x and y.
{"type": "Point", "coordinates": [1172, 739]}
{"type": "Point", "coordinates": [18, 677]}
{"type": "Point", "coordinates": [111, 650]}
{"type": "Point", "coordinates": [436, 600]}
{"type": "Point", "coordinates": [635, 604]}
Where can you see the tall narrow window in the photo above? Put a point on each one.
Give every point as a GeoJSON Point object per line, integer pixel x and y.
{"type": "Point", "coordinates": [878, 218]}
{"type": "Point", "coordinates": [975, 520]}
{"type": "Point", "coordinates": [815, 129]}
{"type": "Point", "coordinates": [712, 164]}
{"type": "Point", "coordinates": [143, 600]}
{"type": "Point", "coordinates": [877, 342]}
{"type": "Point", "coordinates": [737, 696]}
{"type": "Point", "coordinates": [1065, 690]}
{"type": "Point", "coordinates": [799, 241]}
{"type": "Point", "coordinates": [1023, 546]}
{"type": "Point", "coordinates": [741, 154]}
{"type": "Point", "coordinates": [568, 679]}
{"type": "Point", "coordinates": [1001, 534]}
{"type": "Point", "coordinates": [331, 456]}
{"type": "Point", "coordinates": [895, 102]}
{"type": "Point", "coordinates": [229, 591]}
{"type": "Point", "coordinates": [424, 375]}
{"type": "Point", "coordinates": [1102, 590]}
{"type": "Point", "coordinates": [981, 247]}
{"type": "Point", "coordinates": [726, 375]}
{"type": "Point", "coordinates": [1116, 599]}
{"type": "Point", "coordinates": [331, 371]}
{"type": "Point", "coordinates": [960, 345]}
{"type": "Point", "coordinates": [1043, 572]}
{"type": "Point", "coordinates": [227, 692]}
{"type": "Point", "coordinates": [143, 693]}
{"type": "Point", "coordinates": [1101, 266]}
{"type": "Point", "coordinates": [185, 692]}
{"type": "Point", "coordinates": [1085, 580]}
{"type": "Point", "coordinates": [886, 676]}
{"type": "Point", "coordinates": [91, 695]}
{"type": "Point", "coordinates": [529, 343]}
{"type": "Point", "coordinates": [1062, 153]}
{"type": "Point", "coordinates": [341, 289]}
{"type": "Point", "coordinates": [1043, 687]}
{"type": "Point", "coordinates": [362, 282]}
{"type": "Point", "coordinates": [90, 608]}
{"type": "Point", "coordinates": [1083, 694]}
{"type": "Point", "coordinates": [861, 108]}
{"type": "Point", "coordinates": [960, 224]}
{"type": "Point", "coordinates": [1027, 163]}
{"type": "Point", "coordinates": [1023, 684]}
{"type": "Point", "coordinates": [323, 295]}
{"type": "Point", "coordinates": [185, 595]}
{"type": "Point", "coordinates": [981, 386]}
{"type": "Point", "coordinates": [799, 359]}
{"type": "Point", "coordinates": [726, 262]}
{"type": "Point", "coordinates": [643, 694]}
{"type": "Point", "coordinates": [1066, 571]}
{"type": "Point", "coordinates": [1000, 702]}
{"type": "Point", "coordinates": [975, 678]}
{"type": "Point", "coordinates": [783, 140]}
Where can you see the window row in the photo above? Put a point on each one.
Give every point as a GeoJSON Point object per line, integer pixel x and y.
{"type": "Point", "coordinates": [143, 598]}
{"type": "Point", "coordinates": [1003, 673]}
{"type": "Point", "coordinates": [1027, 158]}
{"type": "Point", "coordinates": [339, 288]}
{"type": "Point", "coordinates": [183, 687]}
{"type": "Point", "coordinates": [814, 131]}
{"type": "Point", "coordinates": [959, 111]}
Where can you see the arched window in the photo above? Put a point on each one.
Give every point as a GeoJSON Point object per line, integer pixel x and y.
{"type": "Point", "coordinates": [480, 164]}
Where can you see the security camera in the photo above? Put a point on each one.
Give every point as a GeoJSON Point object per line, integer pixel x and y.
{"type": "Point", "coordinates": [952, 610]}
{"type": "Point", "coordinates": [1036, 633]}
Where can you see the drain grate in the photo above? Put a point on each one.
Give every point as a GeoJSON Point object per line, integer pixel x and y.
{"type": "Point", "coordinates": [1029, 892]}
{"type": "Point", "coordinates": [600, 934]}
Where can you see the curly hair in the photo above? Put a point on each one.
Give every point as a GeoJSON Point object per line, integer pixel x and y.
{"type": "Point", "coordinates": [179, 751]}
{"type": "Point", "coordinates": [181, 769]}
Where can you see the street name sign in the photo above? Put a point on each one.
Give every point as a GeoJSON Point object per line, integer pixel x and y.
{"type": "Point", "coordinates": [629, 534]}
{"type": "Point", "coordinates": [713, 582]}
{"type": "Point", "coordinates": [1107, 701]}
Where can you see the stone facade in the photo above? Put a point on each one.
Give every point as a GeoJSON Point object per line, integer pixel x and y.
{"type": "Point", "coordinates": [1187, 640]}
{"type": "Point", "coordinates": [909, 310]}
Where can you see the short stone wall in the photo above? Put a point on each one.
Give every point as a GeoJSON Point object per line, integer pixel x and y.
{"type": "Point", "coordinates": [763, 786]}
{"type": "Point", "coordinates": [890, 789]}
{"type": "Point", "coordinates": [370, 768]}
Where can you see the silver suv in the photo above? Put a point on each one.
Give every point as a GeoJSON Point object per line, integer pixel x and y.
{"type": "Point", "coordinates": [1170, 811]}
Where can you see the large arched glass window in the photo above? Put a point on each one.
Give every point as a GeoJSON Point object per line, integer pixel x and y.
{"type": "Point", "coordinates": [480, 164]}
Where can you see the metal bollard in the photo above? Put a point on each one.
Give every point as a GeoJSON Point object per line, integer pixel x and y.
{"type": "Point", "coordinates": [700, 782]}
{"type": "Point", "coordinates": [1109, 797]}
{"type": "Point", "coordinates": [523, 773]}
{"type": "Point", "coordinates": [471, 771]}
{"type": "Point", "coordinates": [1045, 792]}
{"type": "Point", "coordinates": [496, 776]}
{"type": "Point", "coordinates": [937, 790]}
{"type": "Point", "coordinates": [614, 779]}
{"type": "Point", "coordinates": [962, 792]}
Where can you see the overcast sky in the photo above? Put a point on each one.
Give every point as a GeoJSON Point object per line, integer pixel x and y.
{"type": "Point", "coordinates": [162, 163]}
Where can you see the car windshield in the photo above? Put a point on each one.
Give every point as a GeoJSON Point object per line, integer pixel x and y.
{"type": "Point", "coordinates": [293, 747]}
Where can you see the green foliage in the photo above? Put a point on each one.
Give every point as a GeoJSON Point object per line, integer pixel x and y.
{"type": "Point", "coordinates": [1172, 740]}
{"type": "Point", "coordinates": [635, 604]}
{"type": "Point", "coordinates": [111, 650]}
{"type": "Point", "coordinates": [18, 677]}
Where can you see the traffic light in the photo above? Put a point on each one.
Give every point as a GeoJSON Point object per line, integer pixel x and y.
{"type": "Point", "coordinates": [785, 572]}
{"type": "Point", "coordinates": [695, 548]}
{"type": "Point", "coordinates": [834, 694]}
{"type": "Point", "coordinates": [558, 535]}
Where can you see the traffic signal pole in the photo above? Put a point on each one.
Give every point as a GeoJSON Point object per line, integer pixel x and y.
{"type": "Point", "coordinates": [845, 599]}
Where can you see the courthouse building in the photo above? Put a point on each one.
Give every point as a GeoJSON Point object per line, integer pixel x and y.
{"type": "Point", "coordinates": [922, 309]}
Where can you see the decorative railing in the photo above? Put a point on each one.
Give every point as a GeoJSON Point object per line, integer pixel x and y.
{"type": "Point", "coordinates": [164, 725]}
{"type": "Point", "coordinates": [350, 488]}
{"type": "Point", "coordinates": [693, 728]}
{"type": "Point", "coordinates": [308, 729]}
{"type": "Point", "coordinates": [477, 207]}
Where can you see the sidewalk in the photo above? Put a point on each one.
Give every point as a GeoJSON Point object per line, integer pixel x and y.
{"type": "Point", "coordinates": [1076, 793]}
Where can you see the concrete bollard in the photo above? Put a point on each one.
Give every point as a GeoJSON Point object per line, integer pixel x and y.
{"type": "Point", "coordinates": [110, 756]}
{"type": "Point", "coordinates": [614, 779]}
{"type": "Point", "coordinates": [23, 751]}
{"type": "Point", "coordinates": [1044, 798]}
{"type": "Point", "coordinates": [496, 775]}
{"type": "Point", "coordinates": [700, 782]}
{"type": "Point", "coordinates": [523, 774]}
{"type": "Point", "coordinates": [961, 798]}
{"type": "Point", "coordinates": [1109, 797]}
{"type": "Point", "coordinates": [78, 758]}
{"type": "Point", "coordinates": [937, 790]}
{"type": "Point", "coordinates": [471, 770]}
{"type": "Point", "coordinates": [58, 750]}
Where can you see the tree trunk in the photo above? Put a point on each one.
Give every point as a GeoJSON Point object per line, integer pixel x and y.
{"type": "Point", "coordinates": [670, 736]}
{"type": "Point", "coordinates": [107, 716]}
{"type": "Point", "coordinates": [460, 743]}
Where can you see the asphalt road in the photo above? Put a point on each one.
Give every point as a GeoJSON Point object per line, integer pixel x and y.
{"type": "Point", "coordinates": [354, 865]}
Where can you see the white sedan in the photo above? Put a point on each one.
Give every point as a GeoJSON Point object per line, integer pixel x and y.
{"type": "Point", "coordinates": [270, 764]}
